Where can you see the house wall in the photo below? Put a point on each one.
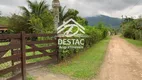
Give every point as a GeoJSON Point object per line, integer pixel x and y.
{"type": "Point", "coordinates": [3, 30]}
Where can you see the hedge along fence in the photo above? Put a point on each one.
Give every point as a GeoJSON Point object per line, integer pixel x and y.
{"type": "Point", "coordinates": [95, 34]}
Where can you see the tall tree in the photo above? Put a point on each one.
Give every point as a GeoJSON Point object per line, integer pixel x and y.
{"type": "Point", "coordinates": [82, 21]}
{"type": "Point", "coordinates": [38, 18]}
{"type": "Point", "coordinates": [71, 13]}
{"type": "Point", "coordinates": [35, 8]}
{"type": "Point", "coordinates": [132, 28]}
{"type": "Point", "coordinates": [0, 13]}
{"type": "Point", "coordinates": [64, 16]}
{"type": "Point", "coordinates": [61, 14]}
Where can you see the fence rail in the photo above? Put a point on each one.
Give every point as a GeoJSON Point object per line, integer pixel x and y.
{"type": "Point", "coordinates": [21, 50]}
{"type": "Point", "coordinates": [9, 36]}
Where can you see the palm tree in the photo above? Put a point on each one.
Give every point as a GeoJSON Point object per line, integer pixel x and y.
{"type": "Point", "coordinates": [71, 13]}
{"type": "Point", "coordinates": [38, 16]}
{"type": "Point", "coordinates": [35, 8]}
{"type": "Point", "coordinates": [62, 15]}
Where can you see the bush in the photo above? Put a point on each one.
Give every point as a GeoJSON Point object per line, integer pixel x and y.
{"type": "Point", "coordinates": [132, 28]}
{"type": "Point", "coordinates": [95, 34]}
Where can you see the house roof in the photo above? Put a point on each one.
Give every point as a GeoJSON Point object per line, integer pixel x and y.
{"type": "Point", "coordinates": [56, 1]}
{"type": "Point", "coordinates": [3, 26]}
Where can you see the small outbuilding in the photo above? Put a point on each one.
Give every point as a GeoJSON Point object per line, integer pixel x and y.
{"type": "Point", "coordinates": [3, 29]}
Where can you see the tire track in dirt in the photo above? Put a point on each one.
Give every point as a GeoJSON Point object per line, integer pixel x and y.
{"type": "Point", "coordinates": [122, 62]}
{"type": "Point", "coordinates": [43, 73]}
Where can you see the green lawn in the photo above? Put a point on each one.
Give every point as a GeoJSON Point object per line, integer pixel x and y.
{"type": "Point", "coordinates": [135, 42]}
{"type": "Point", "coordinates": [85, 65]}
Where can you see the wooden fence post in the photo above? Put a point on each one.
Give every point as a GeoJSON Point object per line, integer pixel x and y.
{"type": "Point", "coordinates": [58, 55]}
{"type": "Point", "coordinates": [23, 56]}
{"type": "Point", "coordinates": [12, 61]}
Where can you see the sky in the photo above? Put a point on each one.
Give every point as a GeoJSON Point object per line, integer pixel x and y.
{"type": "Point", "coordinates": [86, 8]}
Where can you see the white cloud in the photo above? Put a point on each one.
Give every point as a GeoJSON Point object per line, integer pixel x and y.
{"type": "Point", "coordinates": [115, 8]}
{"type": "Point", "coordinates": [7, 11]}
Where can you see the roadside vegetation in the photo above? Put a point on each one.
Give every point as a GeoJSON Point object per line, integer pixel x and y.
{"type": "Point", "coordinates": [30, 78]}
{"type": "Point", "coordinates": [134, 42]}
{"type": "Point", "coordinates": [132, 31]}
{"type": "Point", "coordinates": [86, 64]}
{"type": "Point", "coordinates": [95, 33]}
{"type": "Point", "coordinates": [132, 28]}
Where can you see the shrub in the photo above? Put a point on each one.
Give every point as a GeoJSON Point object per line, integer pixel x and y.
{"type": "Point", "coordinates": [95, 34]}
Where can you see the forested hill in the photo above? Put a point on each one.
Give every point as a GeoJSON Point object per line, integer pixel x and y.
{"type": "Point", "coordinates": [111, 21]}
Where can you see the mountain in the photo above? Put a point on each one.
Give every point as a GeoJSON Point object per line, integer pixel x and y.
{"type": "Point", "coordinates": [111, 21]}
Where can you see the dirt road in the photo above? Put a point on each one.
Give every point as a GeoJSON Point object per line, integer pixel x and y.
{"type": "Point", "coordinates": [123, 61]}
{"type": "Point", "coordinates": [43, 73]}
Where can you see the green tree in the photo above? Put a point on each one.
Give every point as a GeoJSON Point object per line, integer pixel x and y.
{"type": "Point", "coordinates": [35, 8]}
{"type": "Point", "coordinates": [43, 24]}
{"type": "Point", "coordinates": [64, 16]}
{"type": "Point", "coordinates": [82, 21]}
{"type": "Point", "coordinates": [18, 23]}
{"type": "Point", "coordinates": [38, 18]}
{"type": "Point", "coordinates": [132, 28]}
{"type": "Point", "coordinates": [72, 13]}
{"type": "Point", "coordinates": [0, 13]}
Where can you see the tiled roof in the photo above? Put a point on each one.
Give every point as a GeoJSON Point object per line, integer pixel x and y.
{"type": "Point", "coordinates": [2, 25]}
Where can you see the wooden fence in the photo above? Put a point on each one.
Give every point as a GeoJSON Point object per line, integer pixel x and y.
{"type": "Point", "coordinates": [23, 50]}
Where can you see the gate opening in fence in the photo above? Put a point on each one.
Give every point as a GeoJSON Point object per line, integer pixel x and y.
{"type": "Point", "coordinates": [18, 51]}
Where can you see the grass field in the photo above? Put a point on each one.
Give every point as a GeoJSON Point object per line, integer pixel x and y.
{"type": "Point", "coordinates": [135, 42]}
{"type": "Point", "coordinates": [3, 21]}
{"type": "Point", "coordinates": [85, 65]}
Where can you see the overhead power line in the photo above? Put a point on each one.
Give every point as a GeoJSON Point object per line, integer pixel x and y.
{"type": "Point", "coordinates": [132, 7]}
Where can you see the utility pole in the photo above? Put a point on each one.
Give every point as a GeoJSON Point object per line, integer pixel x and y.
{"type": "Point", "coordinates": [56, 6]}
{"type": "Point", "coordinates": [0, 13]}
